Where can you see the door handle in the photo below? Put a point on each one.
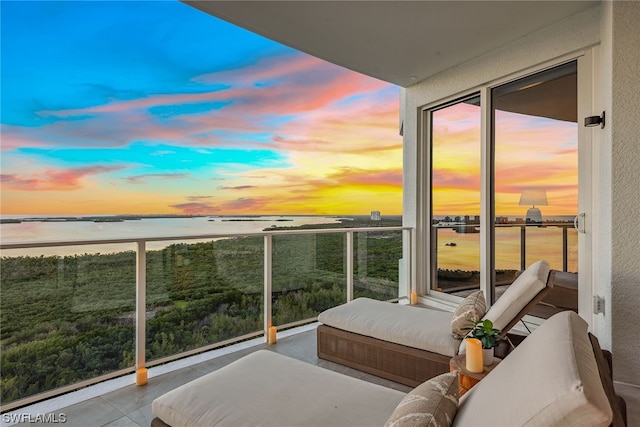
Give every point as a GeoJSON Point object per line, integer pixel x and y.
{"type": "Point", "coordinates": [579, 225]}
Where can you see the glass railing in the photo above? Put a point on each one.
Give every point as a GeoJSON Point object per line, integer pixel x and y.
{"type": "Point", "coordinates": [76, 313]}
{"type": "Point", "coordinates": [456, 258]}
{"type": "Point", "coordinates": [65, 319]}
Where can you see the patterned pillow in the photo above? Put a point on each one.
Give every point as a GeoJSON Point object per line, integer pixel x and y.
{"type": "Point", "coordinates": [433, 403]}
{"type": "Point", "coordinates": [470, 310]}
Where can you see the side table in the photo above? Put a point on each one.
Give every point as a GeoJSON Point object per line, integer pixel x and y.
{"type": "Point", "coordinates": [467, 379]}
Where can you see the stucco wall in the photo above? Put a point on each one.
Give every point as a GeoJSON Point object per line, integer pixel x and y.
{"type": "Point", "coordinates": [624, 119]}
{"type": "Point", "coordinates": [618, 153]}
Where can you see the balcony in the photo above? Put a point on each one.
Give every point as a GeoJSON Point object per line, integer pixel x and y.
{"type": "Point", "coordinates": [120, 402]}
{"type": "Point", "coordinates": [76, 313]}
{"type": "Point", "coordinates": [331, 267]}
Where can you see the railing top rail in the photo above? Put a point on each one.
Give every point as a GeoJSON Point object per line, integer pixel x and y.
{"type": "Point", "coordinates": [48, 244]}
{"type": "Point", "coordinates": [499, 225]}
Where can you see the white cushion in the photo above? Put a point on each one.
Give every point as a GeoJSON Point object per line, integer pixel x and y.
{"type": "Point", "coordinates": [550, 379]}
{"type": "Point", "coordinates": [417, 327]}
{"type": "Point", "coordinates": [526, 286]}
{"type": "Point", "coordinates": [268, 389]}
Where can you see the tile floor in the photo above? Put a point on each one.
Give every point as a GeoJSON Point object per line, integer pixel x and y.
{"type": "Point", "coordinates": [131, 405]}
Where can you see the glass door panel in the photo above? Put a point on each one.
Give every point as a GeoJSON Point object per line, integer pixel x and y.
{"type": "Point", "coordinates": [535, 169]}
{"type": "Point", "coordinates": [455, 197]}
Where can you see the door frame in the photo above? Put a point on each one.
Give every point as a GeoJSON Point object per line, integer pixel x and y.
{"type": "Point", "coordinates": [588, 95]}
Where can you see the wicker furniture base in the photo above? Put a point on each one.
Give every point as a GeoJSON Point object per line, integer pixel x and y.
{"type": "Point", "coordinates": [399, 363]}
{"type": "Point", "coordinates": [395, 362]}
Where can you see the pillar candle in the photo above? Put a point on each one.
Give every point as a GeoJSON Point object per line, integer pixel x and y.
{"type": "Point", "coordinates": [413, 298]}
{"type": "Point", "coordinates": [141, 376]}
{"type": "Point", "coordinates": [272, 335]}
{"type": "Point", "coordinates": [474, 355]}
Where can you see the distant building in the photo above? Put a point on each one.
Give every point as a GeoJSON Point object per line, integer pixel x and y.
{"type": "Point", "coordinates": [502, 220]}
{"type": "Point", "coordinates": [375, 216]}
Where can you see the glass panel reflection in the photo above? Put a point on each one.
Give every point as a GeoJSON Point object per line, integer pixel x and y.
{"type": "Point", "coordinates": [536, 172]}
{"type": "Point", "coordinates": [455, 197]}
{"type": "Point", "coordinates": [202, 293]}
{"type": "Point", "coordinates": [65, 319]}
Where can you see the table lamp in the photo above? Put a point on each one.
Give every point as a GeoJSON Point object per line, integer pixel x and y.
{"type": "Point", "coordinates": [532, 198]}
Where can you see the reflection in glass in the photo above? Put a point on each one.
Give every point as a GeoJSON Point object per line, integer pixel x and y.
{"type": "Point", "coordinates": [203, 293]}
{"type": "Point", "coordinates": [308, 275]}
{"type": "Point", "coordinates": [65, 318]}
{"type": "Point", "coordinates": [376, 268]}
{"type": "Point", "coordinates": [455, 196]}
{"type": "Point", "coordinates": [535, 142]}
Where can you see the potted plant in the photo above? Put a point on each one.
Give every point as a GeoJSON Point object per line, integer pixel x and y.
{"type": "Point", "coordinates": [488, 336]}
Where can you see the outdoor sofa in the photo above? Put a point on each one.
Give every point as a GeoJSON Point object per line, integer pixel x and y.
{"type": "Point", "coordinates": [410, 344]}
{"type": "Point", "coordinates": [558, 376]}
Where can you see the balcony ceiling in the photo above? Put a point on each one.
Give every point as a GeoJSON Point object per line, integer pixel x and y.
{"type": "Point", "coordinates": [401, 42]}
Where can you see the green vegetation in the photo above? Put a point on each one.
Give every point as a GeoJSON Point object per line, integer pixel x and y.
{"type": "Point", "coordinates": [67, 319]}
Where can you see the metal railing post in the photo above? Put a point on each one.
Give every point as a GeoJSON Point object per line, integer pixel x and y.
{"type": "Point", "coordinates": [349, 266]}
{"type": "Point", "coordinates": [565, 251]}
{"type": "Point", "coordinates": [407, 242]}
{"type": "Point", "coordinates": [434, 259]}
{"type": "Point", "coordinates": [523, 247]}
{"type": "Point", "coordinates": [268, 283]}
{"type": "Point", "coordinates": [141, 310]}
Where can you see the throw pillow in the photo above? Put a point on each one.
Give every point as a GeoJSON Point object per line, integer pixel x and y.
{"type": "Point", "coordinates": [470, 310]}
{"type": "Point", "coordinates": [433, 403]}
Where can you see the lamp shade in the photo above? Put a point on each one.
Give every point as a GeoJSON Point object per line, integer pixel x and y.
{"type": "Point", "coordinates": [533, 197]}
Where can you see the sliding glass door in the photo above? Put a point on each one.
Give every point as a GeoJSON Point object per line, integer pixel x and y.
{"type": "Point", "coordinates": [455, 196]}
{"type": "Point", "coordinates": [535, 170]}
{"type": "Point", "coordinates": [529, 170]}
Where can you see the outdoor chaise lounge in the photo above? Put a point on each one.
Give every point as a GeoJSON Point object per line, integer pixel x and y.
{"type": "Point", "coordinates": [410, 344]}
{"type": "Point", "coordinates": [558, 376]}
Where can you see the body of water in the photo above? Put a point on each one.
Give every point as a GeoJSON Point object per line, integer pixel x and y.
{"type": "Point", "coordinates": [50, 231]}
{"type": "Point", "coordinates": [461, 251]}
{"type": "Point", "coordinates": [455, 251]}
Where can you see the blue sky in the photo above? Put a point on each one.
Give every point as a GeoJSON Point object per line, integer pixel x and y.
{"type": "Point", "coordinates": [120, 98]}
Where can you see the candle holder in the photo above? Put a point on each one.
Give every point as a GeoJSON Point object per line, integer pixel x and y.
{"type": "Point", "coordinates": [272, 335]}
{"type": "Point", "coordinates": [474, 355]}
{"type": "Point", "coordinates": [413, 298]}
{"type": "Point", "coordinates": [141, 376]}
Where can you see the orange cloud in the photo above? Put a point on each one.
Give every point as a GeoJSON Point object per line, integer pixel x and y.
{"type": "Point", "coordinates": [337, 132]}
{"type": "Point", "coordinates": [352, 176]}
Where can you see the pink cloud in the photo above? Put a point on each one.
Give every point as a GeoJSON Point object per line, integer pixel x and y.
{"type": "Point", "coordinates": [357, 128]}
{"type": "Point", "coordinates": [14, 137]}
{"type": "Point", "coordinates": [54, 180]}
{"type": "Point", "coordinates": [240, 205]}
{"type": "Point", "coordinates": [246, 204]}
{"type": "Point", "coordinates": [194, 208]}
{"type": "Point", "coordinates": [265, 70]}
{"type": "Point", "coordinates": [307, 90]}
{"type": "Point", "coordinates": [458, 179]}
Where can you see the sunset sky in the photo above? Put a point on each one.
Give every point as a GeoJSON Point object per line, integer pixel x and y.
{"type": "Point", "coordinates": [530, 153]}
{"type": "Point", "coordinates": [155, 107]}
{"type": "Point", "coordinates": [127, 107]}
